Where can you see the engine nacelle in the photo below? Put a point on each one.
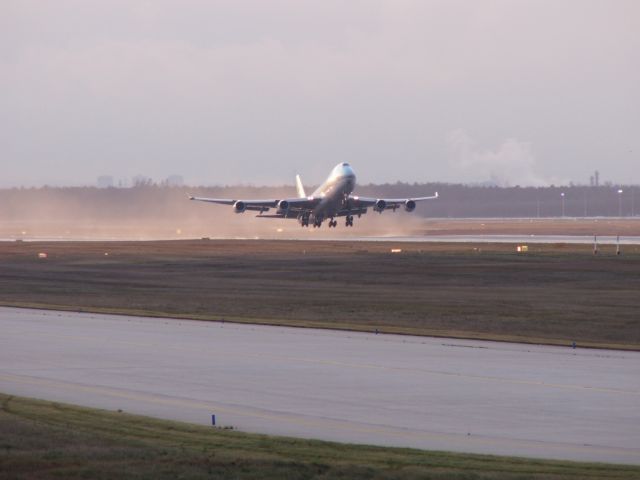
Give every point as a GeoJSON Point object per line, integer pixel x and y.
{"type": "Point", "coordinates": [409, 205]}
{"type": "Point", "coordinates": [283, 206]}
{"type": "Point", "coordinates": [239, 206]}
{"type": "Point", "coordinates": [380, 206]}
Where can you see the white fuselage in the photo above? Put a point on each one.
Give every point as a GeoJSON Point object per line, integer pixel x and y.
{"type": "Point", "coordinates": [334, 191]}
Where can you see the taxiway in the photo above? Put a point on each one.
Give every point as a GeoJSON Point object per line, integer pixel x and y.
{"type": "Point", "coordinates": [467, 396]}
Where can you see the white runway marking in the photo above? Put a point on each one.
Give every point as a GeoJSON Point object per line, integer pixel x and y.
{"type": "Point", "coordinates": [497, 398]}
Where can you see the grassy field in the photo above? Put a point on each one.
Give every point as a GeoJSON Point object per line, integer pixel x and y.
{"type": "Point", "coordinates": [50, 440]}
{"type": "Point", "coordinates": [553, 294]}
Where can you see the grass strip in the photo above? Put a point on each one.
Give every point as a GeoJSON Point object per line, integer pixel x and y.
{"type": "Point", "coordinates": [40, 439]}
{"type": "Point", "coordinates": [554, 294]}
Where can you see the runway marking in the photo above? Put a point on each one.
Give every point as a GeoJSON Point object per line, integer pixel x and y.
{"type": "Point", "coordinates": [334, 424]}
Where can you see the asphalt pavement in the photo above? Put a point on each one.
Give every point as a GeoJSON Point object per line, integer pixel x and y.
{"type": "Point", "coordinates": [429, 393]}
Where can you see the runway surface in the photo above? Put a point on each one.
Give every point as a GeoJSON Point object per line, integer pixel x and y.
{"type": "Point", "coordinates": [521, 239]}
{"type": "Point", "coordinates": [441, 394]}
{"type": "Point", "coordinates": [435, 238]}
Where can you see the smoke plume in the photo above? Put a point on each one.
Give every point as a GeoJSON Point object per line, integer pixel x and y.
{"type": "Point", "coordinates": [511, 163]}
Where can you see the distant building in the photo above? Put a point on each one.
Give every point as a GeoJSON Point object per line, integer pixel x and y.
{"type": "Point", "coordinates": [174, 181]}
{"type": "Point", "coordinates": [105, 181]}
{"type": "Point", "coordinates": [141, 181]}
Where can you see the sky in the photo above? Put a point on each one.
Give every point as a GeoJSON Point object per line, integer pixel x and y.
{"type": "Point", "coordinates": [517, 92]}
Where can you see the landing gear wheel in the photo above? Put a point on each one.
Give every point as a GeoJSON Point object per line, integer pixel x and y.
{"type": "Point", "coordinates": [349, 221]}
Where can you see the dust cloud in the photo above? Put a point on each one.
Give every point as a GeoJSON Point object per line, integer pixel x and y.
{"type": "Point", "coordinates": [165, 213]}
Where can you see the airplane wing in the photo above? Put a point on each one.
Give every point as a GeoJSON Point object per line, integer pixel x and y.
{"type": "Point", "coordinates": [381, 204]}
{"type": "Point", "coordinates": [288, 207]}
{"type": "Point", "coordinates": [229, 201]}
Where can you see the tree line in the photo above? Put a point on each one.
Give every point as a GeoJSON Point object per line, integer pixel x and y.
{"type": "Point", "coordinates": [456, 201]}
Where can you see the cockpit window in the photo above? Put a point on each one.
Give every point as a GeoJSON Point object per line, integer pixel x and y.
{"type": "Point", "coordinates": [345, 164]}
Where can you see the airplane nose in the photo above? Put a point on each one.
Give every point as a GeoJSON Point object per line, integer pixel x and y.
{"type": "Point", "coordinates": [348, 172]}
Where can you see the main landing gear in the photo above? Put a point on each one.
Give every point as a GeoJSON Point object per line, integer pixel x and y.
{"type": "Point", "coordinates": [317, 221]}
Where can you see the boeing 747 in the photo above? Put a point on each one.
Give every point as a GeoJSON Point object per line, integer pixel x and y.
{"type": "Point", "coordinates": [334, 198]}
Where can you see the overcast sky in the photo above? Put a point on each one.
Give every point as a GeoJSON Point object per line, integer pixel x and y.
{"type": "Point", "coordinates": [222, 92]}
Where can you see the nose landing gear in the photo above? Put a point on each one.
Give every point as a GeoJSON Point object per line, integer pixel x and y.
{"type": "Point", "coordinates": [349, 221]}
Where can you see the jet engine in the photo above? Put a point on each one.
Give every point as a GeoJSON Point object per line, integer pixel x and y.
{"type": "Point", "coordinates": [283, 206]}
{"type": "Point", "coordinates": [380, 206]}
{"type": "Point", "coordinates": [239, 206]}
{"type": "Point", "coordinates": [409, 205]}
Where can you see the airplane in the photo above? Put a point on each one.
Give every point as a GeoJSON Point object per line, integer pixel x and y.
{"type": "Point", "coordinates": [334, 198]}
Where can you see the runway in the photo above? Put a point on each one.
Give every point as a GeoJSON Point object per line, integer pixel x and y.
{"type": "Point", "coordinates": [435, 238]}
{"type": "Point", "coordinates": [439, 394]}
{"type": "Point", "coordinates": [519, 239]}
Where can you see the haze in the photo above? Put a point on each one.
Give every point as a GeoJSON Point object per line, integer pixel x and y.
{"type": "Point", "coordinates": [521, 92]}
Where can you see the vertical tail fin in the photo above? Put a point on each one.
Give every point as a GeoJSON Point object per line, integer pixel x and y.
{"type": "Point", "coordinates": [300, 188]}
